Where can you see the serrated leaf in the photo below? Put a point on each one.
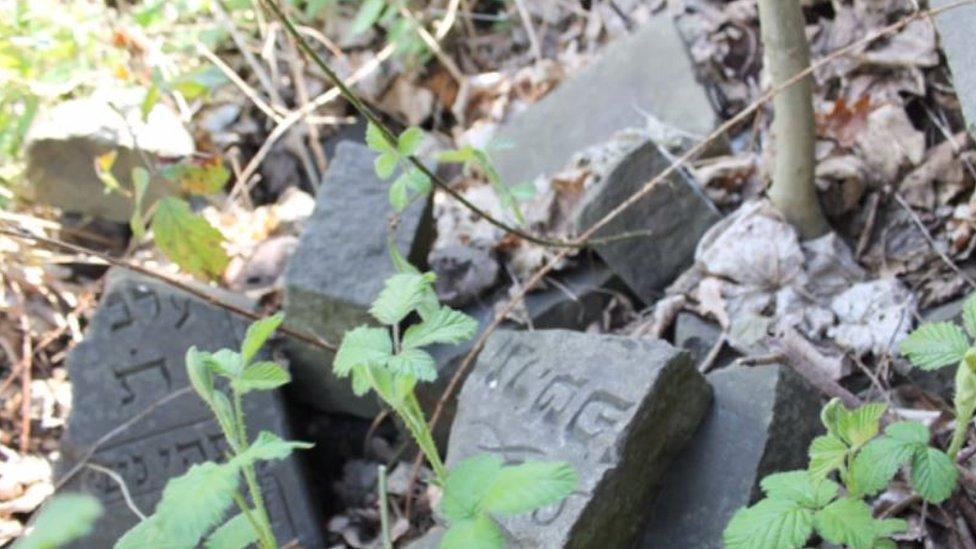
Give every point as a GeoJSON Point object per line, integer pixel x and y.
{"type": "Point", "coordinates": [445, 325]}
{"type": "Point", "coordinates": [225, 414]}
{"type": "Point", "coordinates": [200, 374]}
{"type": "Point", "coordinates": [969, 315]}
{"type": "Point", "coordinates": [769, 524]}
{"type": "Point", "coordinates": [827, 453]}
{"type": "Point", "coordinates": [933, 475]}
{"type": "Point", "coordinates": [909, 432]}
{"type": "Point", "coordinates": [369, 13]}
{"type": "Point", "coordinates": [376, 140]}
{"type": "Point", "coordinates": [476, 533]}
{"type": "Point", "coordinates": [876, 464]}
{"type": "Point", "coordinates": [261, 376]}
{"type": "Point", "coordinates": [466, 485]}
{"type": "Point", "coordinates": [224, 362]}
{"type": "Point", "coordinates": [800, 487]}
{"type": "Point", "coordinates": [269, 446]}
{"type": "Point", "coordinates": [401, 294]}
{"type": "Point", "coordinates": [257, 335]}
{"type": "Point", "coordinates": [410, 140]}
{"type": "Point", "coordinates": [860, 425]}
{"type": "Point", "coordinates": [887, 527]}
{"type": "Point", "coordinates": [236, 533]}
{"type": "Point", "coordinates": [965, 393]}
{"type": "Point", "coordinates": [846, 521]}
{"type": "Point", "coordinates": [204, 178]}
{"type": "Point", "coordinates": [530, 485]}
{"type": "Point", "coordinates": [360, 380]}
{"type": "Point", "coordinates": [67, 517]}
{"type": "Point", "coordinates": [362, 346]}
{"type": "Point", "coordinates": [935, 345]}
{"type": "Point", "coordinates": [385, 164]}
{"type": "Point", "coordinates": [398, 193]}
{"type": "Point", "coordinates": [415, 363]}
{"type": "Point", "coordinates": [195, 502]}
{"type": "Point", "coordinates": [188, 240]}
{"type": "Point", "coordinates": [147, 533]}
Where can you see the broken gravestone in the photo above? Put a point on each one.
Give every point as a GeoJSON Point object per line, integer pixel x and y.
{"type": "Point", "coordinates": [955, 29]}
{"type": "Point", "coordinates": [761, 421]}
{"type": "Point", "coordinates": [63, 143]}
{"type": "Point", "coordinates": [674, 214]}
{"type": "Point", "coordinates": [133, 356]}
{"type": "Point", "coordinates": [339, 267]}
{"type": "Point", "coordinates": [640, 78]}
{"type": "Point", "coordinates": [617, 409]}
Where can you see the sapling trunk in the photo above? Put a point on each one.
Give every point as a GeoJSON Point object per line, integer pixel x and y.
{"type": "Point", "coordinates": [787, 53]}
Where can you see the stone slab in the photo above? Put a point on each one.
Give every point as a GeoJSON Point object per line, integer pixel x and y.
{"type": "Point", "coordinates": [676, 213]}
{"type": "Point", "coordinates": [63, 143]}
{"type": "Point", "coordinates": [649, 71]}
{"type": "Point", "coordinates": [955, 29]}
{"type": "Point", "coordinates": [761, 421]}
{"type": "Point", "coordinates": [339, 267]}
{"type": "Point", "coordinates": [616, 408]}
{"type": "Point", "coordinates": [698, 336]}
{"type": "Point", "coordinates": [133, 355]}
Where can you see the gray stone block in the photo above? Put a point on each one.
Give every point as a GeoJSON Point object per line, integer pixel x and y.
{"type": "Point", "coordinates": [339, 267]}
{"type": "Point", "coordinates": [698, 336]}
{"type": "Point", "coordinates": [63, 143]}
{"type": "Point", "coordinates": [617, 409]}
{"type": "Point", "coordinates": [647, 72]}
{"type": "Point", "coordinates": [675, 212]}
{"type": "Point", "coordinates": [761, 421]}
{"type": "Point", "coordinates": [955, 28]}
{"type": "Point", "coordinates": [132, 356]}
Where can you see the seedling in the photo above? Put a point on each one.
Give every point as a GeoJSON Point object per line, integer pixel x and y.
{"type": "Point", "coordinates": [799, 503]}
{"type": "Point", "coordinates": [195, 502]}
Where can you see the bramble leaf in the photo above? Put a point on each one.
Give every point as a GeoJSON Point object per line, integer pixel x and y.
{"type": "Point", "coordinates": [188, 240]}
{"type": "Point", "coordinates": [258, 333]}
{"type": "Point", "coordinates": [909, 432]}
{"type": "Point", "coordinates": [875, 465]}
{"type": "Point", "coordinates": [860, 425]}
{"type": "Point", "coordinates": [376, 141]}
{"type": "Point", "coordinates": [236, 533]}
{"type": "Point", "coordinates": [415, 363]}
{"type": "Point", "coordinates": [200, 374]}
{"type": "Point", "coordinates": [410, 140]}
{"type": "Point", "coordinates": [935, 345]}
{"type": "Point", "coordinates": [369, 13]}
{"type": "Point", "coordinates": [827, 453]}
{"type": "Point", "coordinates": [385, 164]}
{"type": "Point", "coordinates": [933, 474]}
{"type": "Point", "coordinates": [401, 294]}
{"type": "Point", "coordinates": [205, 178]}
{"type": "Point", "coordinates": [769, 524]}
{"type": "Point", "coordinates": [261, 376]}
{"type": "Point", "coordinates": [194, 502]}
{"type": "Point", "coordinates": [530, 485]}
{"type": "Point", "coordinates": [62, 520]}
{"type": "Point", "coordinates": [474, 533]}
{"type": "Point", "coordinates": [800, 487]}
{"type": "Point", "coordinates": [362, 346]}
{"type": "Point", "coordinates": [444, 326]}
{"type": "Point", "coordinates": [847, 521]}
{"type": "Point", "coordinates": [268, 446]}
{"type": "Point", "coordinates": [224, 362]}
{"type": "Point", "coordinates": [466, 486]}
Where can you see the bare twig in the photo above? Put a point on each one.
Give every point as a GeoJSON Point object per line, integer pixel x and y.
{"type": "Point", "coordinates": [433, 44]}
{"type": "Point", "coordinates": [529, 30]}
{"type": "Point", "coordinates": [802, 357]}
{"type": "Point", "coordinates": [122, 487]}
{"type": "Point", "coordinates": [931, 240]}
{"type": "Point", "coordinates": [247, 90]}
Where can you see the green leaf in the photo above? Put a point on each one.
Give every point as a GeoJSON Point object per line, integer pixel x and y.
{"type": "Point", "coordinates": [65, 518]}
{"type": "Point", "coordinates": [412, 182]}
{"type": "Point", "coordinates": [188, 240]}
{"type": "Point", "coordinates": [969, 315]}
{"type": "Point", "coordinates": [398, 193]}
{"type": "Point", "coordinates": [224, 362]}
{"type": "Point", "coordinates": [236, 533]}
{"type": "Point", "coordinates": [524, 191]}
{"type": "Point", "coordinates": [410, 140]}
{"type": "Point", "coordinates": [505, 196]}
{"type": "Point", "coordinates": [933, 474]}
{"type": "Point", "coordinates": [376, 140]}
{"type": "Point", "coordinates": [385, 164]}
{"type": "Point", "coordinates": [268, 446]}
{"type": "Point", "coordinates": [362, 346]}
{"type": "Point", "coordinates": [847, 521]}
{"type": "Point", "coordinates": [401, 294]}
{"type": "Point", "coordinates": [827, 453]}
{"type": "Point", "coordinates": [466, 486]}
{"type": "Point", "coordinates": [530, 485]}
{"type": "Point", "coordinates": [261, 376]}
{"type": "Point", "coordinates": [860, 425]}
{"type": "Point", "coordinates": [204, 178]}
{"type": "Point", "coordinates": [415, 363]}
{"type": "Point", "coordinates": [935, 345]}
{"type": "Point", "coordinates": [909, 432]}
{"type": "Point", "coordinates": [103, 170]}
{"type": "Point", "coordinates": [876, 464]}
{"type": "Point", "coordinates": [193, 503]}
{"type": "Point", "coordinates": [799, 486]}
{"type": "Point", "coordinates": [464, 155]}
{"type": "Point", "coordinates": [149, 101]}
{"type": "Point", "coordinates": [367, 16]}
{"type": "Point", "coordinates": [224, 411]}
{"type": "Point", "coordinates": [140, 183]}
{"type": "Point", "coordinates": [965, 394]}
{"type": "Point", "coordinates": [147, 533]}
{"type": "Point", "coordinates": [258, 333]}
{"type": "Point", "coordinates": [769, 524]}
{"type": "Point", "coordinates": [200, 374]}
{"type": "Point", "coordinates": [475, 533]}
{"type": "Point", "coordinates": [444, 326]}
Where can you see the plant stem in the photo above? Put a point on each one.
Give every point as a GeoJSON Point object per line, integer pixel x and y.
{"type": "Point", "coordinates": [788, 54]}
{"type": "Point", "coordinates": [265, 534]}
{"type": "Point", "coordinates": [384, 510]}
{"type": "Point", "coordinates": [413, 417]}
{"type": "Point", "coordinates": [243, 506]}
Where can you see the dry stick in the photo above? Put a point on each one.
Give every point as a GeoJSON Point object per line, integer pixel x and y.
{"type": "Point", "coordinates": [433, 44]}
{"type": "Point", "coordinates": [931, 240]}
{"type": "Point", "coordinates": [122, 487]}
{"type": "Point", "coordinates": [363, 109]}
{"type": "Point", "coordinates": [529, 30]}
{"type": "Point", "coordinates": [248, 91]}
{"type": "Point", "coordinates": [166, 279]}
{"type": "Point", "coordinates": [25, 377]}
{"type": "Point", "coordinates": [301, 92]}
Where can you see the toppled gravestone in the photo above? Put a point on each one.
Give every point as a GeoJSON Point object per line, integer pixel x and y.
{"type": "Point", "coordinates": [339, 267]}
{"type": "Point", "coordinates": [648, 74]}
{"type": "Point", "coordinates": [132, 356]}
{"type": "Point", "coordinates": [675, 214]}
{"type": "Point", "coordinates": [761, 421]}
{"type": "Point", "coordinates": [955, 28]}
{"type": "Point", "coordinates": [617, 409]}
{"type": "Point", "coordinates": [62, 144]}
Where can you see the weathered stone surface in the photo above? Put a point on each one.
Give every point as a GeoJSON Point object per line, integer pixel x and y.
{"type": "Point", "coordinates": [675, 212]}
{"type": "Point", "coordinates": [618, 409]}
{"type": "Point", "coordinates": [132, 356]}
{"type": "Point", "coordinates": [606, 97]}
{"type": "Point", "coordinates": [955, 28]}
{"type": "Point", "coordinates": [63, 143]}
{"type": "Point", "coordinates": [761, 421]}
{"type": "Point", "coordinates": [580, 299]}
{"type": "Point", "coordinates": [339, 268]}
{"type": "Point", "coordinates": [698, 336]}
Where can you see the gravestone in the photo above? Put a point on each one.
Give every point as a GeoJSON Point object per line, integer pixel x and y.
{"type": "Point", "coordinates": [675, 214]}
{"type": "Point", "coordinates": [761, 421]}
{"type": "Point", "coordinates": [617, 409]}
{"type": "Point", "coordinates": [955, 28]}
{"type": "Point", "coordinates": [646, 73]}
{"type": "Point", "coordinates": [132, 356]}
{"type": "Point", "coordinates": [699, 336]}
{"type": "Point", "coordinates": [339, 267]}
{"type": "Point", "coordinates": [63, 143]}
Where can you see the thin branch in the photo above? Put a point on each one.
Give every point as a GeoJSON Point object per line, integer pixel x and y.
{"type": "Point", "coordinates": [931, 241]}
{"type": "Point", "coordinates": [122, 486]}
